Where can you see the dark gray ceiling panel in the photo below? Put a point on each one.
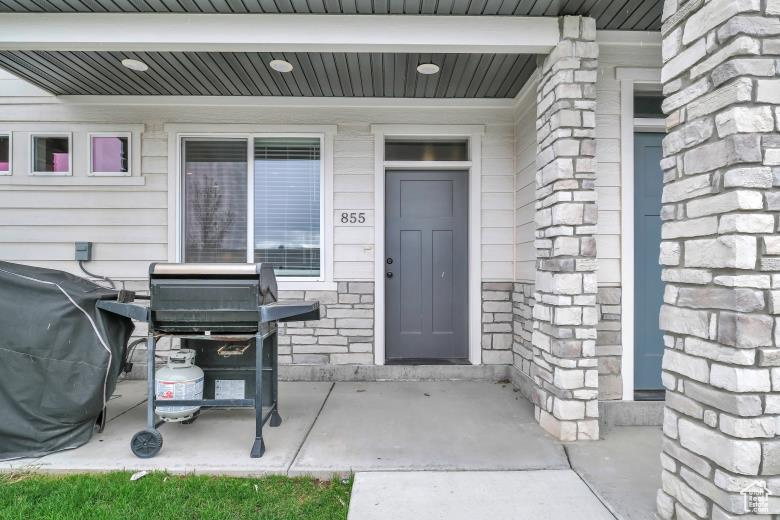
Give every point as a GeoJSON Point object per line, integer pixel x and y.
{"type": "Point", "coordinates": [314, 74]}
{"type": "Point", "coordinates": [638, 15]}
{"type": "Point", "coordinates": [248, 74]}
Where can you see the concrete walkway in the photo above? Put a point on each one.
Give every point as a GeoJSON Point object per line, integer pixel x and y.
{"type": "Point", "coordinates": [423, 450]}
{"type": "Point", "coordinates": [474, 495]}
{"type": "Point", "coordinates": [614, 478]}
{"type": "Point", "coordinates": [623, 469]}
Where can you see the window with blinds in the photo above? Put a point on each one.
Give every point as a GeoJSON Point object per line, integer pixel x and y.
{"type": "Point", "coordinates": [215, 200]}
{"type": "Point", "coordinates": [287, 204]}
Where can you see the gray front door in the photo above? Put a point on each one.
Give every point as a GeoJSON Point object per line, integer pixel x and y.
{"type": "Point", "coordinates": [648, 289]}
{"type": "Point", "coordinates": [426, 268]}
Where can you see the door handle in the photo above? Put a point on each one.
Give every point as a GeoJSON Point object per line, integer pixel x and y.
{"type": "Point", "coordinates": [389, 275]}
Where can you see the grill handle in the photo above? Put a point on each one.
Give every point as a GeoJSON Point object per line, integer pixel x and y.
{"type": "Point", "coordinates": [300, 310]}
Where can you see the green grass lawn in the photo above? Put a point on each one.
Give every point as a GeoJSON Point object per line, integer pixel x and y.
{"type": "Point", "coordinates": [157, 495]}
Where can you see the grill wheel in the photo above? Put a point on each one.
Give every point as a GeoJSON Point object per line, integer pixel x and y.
{"type": "Point", "coordinates": [146, 443]}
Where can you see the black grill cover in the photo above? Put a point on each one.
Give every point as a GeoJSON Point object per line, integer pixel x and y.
{"type": "Point", "coordinates": [60, 358]}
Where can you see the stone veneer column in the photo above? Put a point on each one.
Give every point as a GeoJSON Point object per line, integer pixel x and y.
{"type": "Point", "coordinates": [563, 365]}
{"type": "Point", "coordinates": [720, 251]}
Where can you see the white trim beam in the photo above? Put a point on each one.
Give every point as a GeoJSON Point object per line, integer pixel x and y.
{"type": "Point", "coordinates": [627, 236]}
{"type": "Point", "coordinates": [277, 32]}
{"type": "Point", "coordinates": [638, 75]}
{"type": "Point", "coordinates": [628, 38]}
{"type": "Point", "coordinates": [272, 101]}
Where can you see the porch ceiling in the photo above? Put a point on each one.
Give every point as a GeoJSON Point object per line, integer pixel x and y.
{"type": "Point", "coordinates": [640, 15]}
{"type": "Point", "coordinates": [330, 74]}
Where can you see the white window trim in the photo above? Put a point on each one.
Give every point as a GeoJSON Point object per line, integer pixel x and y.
{"type": "Point", "coordinates": [326, 133]}
{"type": "Point", "coordinates": [649, 124]}
{"type": "Point", "coordinates": [22, 133]}
{"type": "Point", "coordinates": [31, 153]}
{"type": "Point", "coordinates": [629, 78]}
{"type": "Point", "coordinates": [473, 167]}
{"type": "Point", "coordinates": [128, 136]}
{"type": "Point", "coordinates": [10, 136]}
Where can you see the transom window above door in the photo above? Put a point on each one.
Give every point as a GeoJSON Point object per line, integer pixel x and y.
{"type": "Point", "coordinates": [254, 199]}
{"type": "Point", "coordinates": [400, 149]}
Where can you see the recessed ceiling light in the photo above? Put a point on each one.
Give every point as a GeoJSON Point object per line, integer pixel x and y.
{"type": "Point", "coordinates": [281, 65]}
{"type": "Point", "coordinates": [427, 68]}
{"type": "Point", "coordinates": [135, 65]}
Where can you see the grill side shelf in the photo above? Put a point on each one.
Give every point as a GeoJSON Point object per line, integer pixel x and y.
{"type": "Point", "coordinates": [128, 310]}
{"type": "Point", "coordinates": [298, 310]}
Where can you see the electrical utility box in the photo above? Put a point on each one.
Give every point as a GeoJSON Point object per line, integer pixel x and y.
{"type": "Point", "coordinates": [83, 251]}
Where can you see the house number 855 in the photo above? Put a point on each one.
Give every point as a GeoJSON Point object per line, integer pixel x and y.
{"type": "Point", "coordinates": [353, 217]}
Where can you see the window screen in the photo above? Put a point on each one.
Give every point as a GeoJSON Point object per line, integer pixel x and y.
{"type": "Point", "coordinates": [287, 204]}
{"type": "Point", "coordinates": [403, 150]}
{"type": "Point", "coordinates": [51, 154]}
{"type": "Point", "coordinates": [5, 153]}
{"type": "Point", "coordinates": [215, 191]}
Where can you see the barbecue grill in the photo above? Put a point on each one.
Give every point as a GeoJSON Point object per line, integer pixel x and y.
{"type": "Point", "coordinates": [227, 314]}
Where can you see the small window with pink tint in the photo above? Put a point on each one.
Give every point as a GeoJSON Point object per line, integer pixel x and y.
{"type": "Point", "coordinates": [5, 154]}
{"type": "Point", "coordinates": [109, 154]}
{"type": "Point", "coordinates": [51, 154]}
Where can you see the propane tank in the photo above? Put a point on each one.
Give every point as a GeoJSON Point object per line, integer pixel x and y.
{"type": "Point", "coordinates": [179, 379]}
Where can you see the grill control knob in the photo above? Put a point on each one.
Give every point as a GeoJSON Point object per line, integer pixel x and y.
{"type": "Point", "coordinates": [389, 275]}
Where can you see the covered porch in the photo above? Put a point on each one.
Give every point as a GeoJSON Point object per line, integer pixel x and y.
{"type": "Point", "coordinates": [517, 96]}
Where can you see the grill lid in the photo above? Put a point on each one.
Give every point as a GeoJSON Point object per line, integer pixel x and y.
{"type": "Point", "coordinates": [205, 269]}
{"type": "Point", "coordinates": [219, 298]}
{"type": "Point", "coordinates": [214, 298]}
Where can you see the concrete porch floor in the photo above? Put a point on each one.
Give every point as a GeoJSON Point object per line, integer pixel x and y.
{"type": "Point", "coordinates": [446, 430]}
{"type": "Point", "coordinates": [332, 428]}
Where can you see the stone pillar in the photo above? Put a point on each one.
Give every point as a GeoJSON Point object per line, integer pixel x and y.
{"type": "Point", "coordinates": [720, 251]}
{"type": "Point", "coordinates": [563, 365]}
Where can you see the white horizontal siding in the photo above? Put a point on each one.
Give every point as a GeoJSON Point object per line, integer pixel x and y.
{"type": "Point", "coordinates": [93, 233]}
{"type": "Point", "coordinates": [127, 224]}
{"type": "Point", "coordinates": [525, 183]}
{"type": "Point", "coordinates": [118, 269]}
{"type": "Point", "coordinates": [40, 218]}
{"type": "Point", "coordinates": [63, 251]}
{"type": "Point", "coordinates": [42, 197]}
{"type": "Point", "coordinates": [12, 86]}
{"type": "Point", "coordinates": [81, 217]}
{"type": "Point", "coordinates": [608, 150]}
{"type": "Point", "coordinates": [353, 190]}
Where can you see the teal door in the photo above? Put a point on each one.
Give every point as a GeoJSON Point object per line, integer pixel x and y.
{"type": "Point", "coordinates": [648, 289]}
